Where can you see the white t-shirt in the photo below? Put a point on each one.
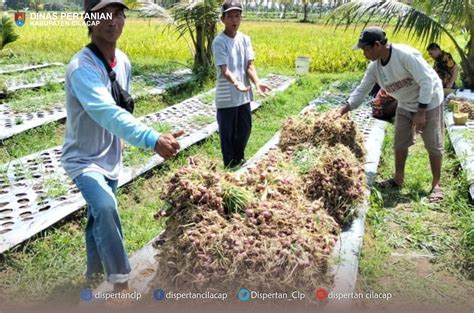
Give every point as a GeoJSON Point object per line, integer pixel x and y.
{"type": "Point", "coordinates": [407, 77]}
{"type": "Point", "coordinates": [235, 53]}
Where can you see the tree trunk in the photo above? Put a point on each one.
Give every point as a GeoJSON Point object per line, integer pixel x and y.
{"type": "Point", "coordinates": [305, 9]}
{"type": "Point", "coordinates": [468, 71]}
{"type": "Point", "coordinates": [203, 59]}
{"type": "Point", "coordinates": [468, 65]}
{"type": "Point", "coordinates": [211, 34]}
{"type": "Point", "coordinates": [198, 56]}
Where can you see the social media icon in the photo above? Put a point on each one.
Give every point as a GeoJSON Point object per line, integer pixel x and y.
{"type": "Point", "coordinates": [159, 294]}
{"type": "Point", "coordinates": [321, 294]}
{"type": "Point", "coordinates": [86, 295]}
{"type": "Point", "coordinates": [244, 294]}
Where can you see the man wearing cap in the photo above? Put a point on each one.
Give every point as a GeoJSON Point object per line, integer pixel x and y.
{"type": "Point", "coordinates": [405, 75]}
{"type": "Point", "coordinates": [234, 56]}
{"type": "Point", "coordinates": [92, 153]}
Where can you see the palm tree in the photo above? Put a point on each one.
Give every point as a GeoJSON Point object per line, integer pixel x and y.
{"type": "Point", "coordinates": [306, 4]}
{"type": "Point", "coordinates": [427, 20]}
{"type": "Point", "coordinates": [198, 21]}
{"type": "Point", "coordinates": [285, 4]}
{"type": "Point", "coordinates": [133, 4]}
{"type": "Point", "coordinates": [7, 31]}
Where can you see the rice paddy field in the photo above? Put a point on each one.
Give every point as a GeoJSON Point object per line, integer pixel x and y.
{"type": "Point", "coordinates": [420, 254]}
{"type": "Point", "coordinates": [148, 43]}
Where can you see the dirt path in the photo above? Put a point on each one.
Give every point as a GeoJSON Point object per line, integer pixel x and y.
{"type": "Point", "coordinates": [415, 250]}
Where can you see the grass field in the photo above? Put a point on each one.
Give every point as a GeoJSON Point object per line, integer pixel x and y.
{"type": "Point", "coordinates": [149, 44]}
{"type": "Point", "coordinates": [421, 253]}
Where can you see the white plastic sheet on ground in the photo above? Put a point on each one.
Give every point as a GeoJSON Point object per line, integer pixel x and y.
{"type": "Point", "coordinates": [12, 123]}
{"type": "Point", "coordinates": [462, 139]}
{"type": "Point", "coordinates": [348, 247]}
{"type": "Point", "coordinates": [26, 185]}
{"type": "Point", "coordinates": [17, 68]}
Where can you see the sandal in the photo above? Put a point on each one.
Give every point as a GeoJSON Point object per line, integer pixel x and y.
{"type": "Point", "coordinates": [388, 184]}
{"type": "Point", "coordinates": [436, 195]}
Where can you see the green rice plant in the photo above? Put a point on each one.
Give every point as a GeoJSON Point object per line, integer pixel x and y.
{"type": "Point", "coordinates": [148, 46]}
{"type": "Point", "coordinates": [208, 98]}
{"type": "Point", "coordinates": [3, 85]}
{"type": "Point", "coordinates": [468, 134]}
{"type": "Point", "coordinates": [55, 187]}
{"type": "Point", "coordinates": [202, 120]}
{"type": "Point", "coordinates": [18, 120]}
{"type": "Point", "coordinates": [236, 199]}
{"type": "Point", "coordinates": [133, 156]}
{"type": "Point", "coordinates": [162, 127]}
{"type": "Point", "coordinates": [467, 241]}
{"type": "Point", "coordinates": [3, 175]}
{"type": "Point", "coordinates": [43, 75]}
{"type": "Point", "coordinates": [305, 159]}
{"type": "Point", "coordinates": [34, 104]}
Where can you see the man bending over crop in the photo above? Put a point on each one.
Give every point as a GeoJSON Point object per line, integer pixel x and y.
{"type": "Point", "coordinates": [234, 56]}
{"type": "Point", "coordinates": [405, 75]}
{"type": "Point", "coordinates": [97, 118]}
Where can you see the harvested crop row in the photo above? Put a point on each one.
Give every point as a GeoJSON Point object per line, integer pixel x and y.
{"type": "Point", "coordinates": [271, 227]}
{"type": "Point", "coordinates": [254, 237]}
{"type": "Point", "coordinates": [322, 129]}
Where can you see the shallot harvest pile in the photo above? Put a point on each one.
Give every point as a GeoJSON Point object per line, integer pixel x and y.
{"type": "Point", "coordinates": [273, 226]}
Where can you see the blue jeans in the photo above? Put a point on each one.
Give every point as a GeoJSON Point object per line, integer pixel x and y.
{"type": "Point", "coordinates": [104, 238]}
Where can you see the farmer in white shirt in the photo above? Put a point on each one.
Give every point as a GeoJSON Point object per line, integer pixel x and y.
{"type": "Point", "coordinates": [405, 75]}
{"type": "Point", "coordinates": [234, 59]}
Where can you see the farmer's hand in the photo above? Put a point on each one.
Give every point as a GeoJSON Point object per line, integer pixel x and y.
{"type": "Point", "coordinates": [241, 87]}
{"type": "Point", "coordinates": [344, 110]}
{"type": "Point", "coordinates": [263, 89]}
{"type": "Point", "coordinates": [419, 120]}
{"type": "Point", "coordinates": [167, 145]}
